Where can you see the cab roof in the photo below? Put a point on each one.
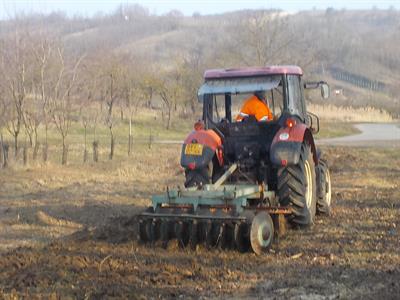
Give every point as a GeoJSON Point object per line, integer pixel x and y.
{"type": "Point", "coordinates": [252, 71]}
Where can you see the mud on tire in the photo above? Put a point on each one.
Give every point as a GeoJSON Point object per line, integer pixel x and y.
{"type": "Point", "coordinates": [297, 188]}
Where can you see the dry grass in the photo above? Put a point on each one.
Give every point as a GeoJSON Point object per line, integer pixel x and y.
{"type": "Point", "coordinates": [43, 201]}
{"type": "Point", "coordinates": [331, 113]}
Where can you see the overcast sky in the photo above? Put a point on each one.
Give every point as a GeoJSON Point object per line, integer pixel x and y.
{"type": "Point", "coordinates": [188, 7]}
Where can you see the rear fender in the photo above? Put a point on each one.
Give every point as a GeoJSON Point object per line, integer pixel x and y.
{"type": "Point", "coordinates": [212, 145]}
{"type": "Point", "coordinates": [286, 145]}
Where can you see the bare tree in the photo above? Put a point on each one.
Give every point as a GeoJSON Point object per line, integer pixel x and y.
{"type": "Point", "coordinates": [61, 99]}
{"type": "Point", "coordinates": [111, 73]}
{"type": "Point", "coordinates": [191, 68]}
{"type": "Point", "coordinates": [44, 53]}
{"type": "Point", "coordinates": [3, 145]}
{"type": "Point", "coordinates": [168, 86]}
{"type": "Point", "coordinates": [110, 102]}
{"type": "Point", "coordinates": [134, 91]}
{"type": "Point", "coordinates": [14, 68]}
{"type": "Point", "coordinates": [262, 38]}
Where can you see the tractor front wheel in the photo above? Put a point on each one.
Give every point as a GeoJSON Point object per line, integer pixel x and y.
{"type": "Point", "coordinates": [297, 188]}
{"type": "Point", "coordinates": [324, 189]}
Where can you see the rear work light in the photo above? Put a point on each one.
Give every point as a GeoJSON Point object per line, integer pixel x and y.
{"type": "Point", "coordinates": [290, 123]}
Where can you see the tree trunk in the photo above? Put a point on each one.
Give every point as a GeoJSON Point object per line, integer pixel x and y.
{"type": "Point", "coordinates": [25, 155]}
{"type": "Point", "coordinates": [150, 139]}
{"type": "Point", "coordinates": [1, 152]}
{"type": "Point", "coordinates": [85, 152]}
{"type": "Point", "coordinates": [95, 151]}
{"type": "Point", "coordinates": [46, 145]}
{"type": "Point", "coordinates": [16, 145]}
{"type": "Point", "coordinates": [94, 131]}
{"type": "Point", "coordinates": [30, 138]}
{"type": "Point", "coordinates": [36, 147]}
{"type": "Point", "coordinates": [169, 118]}
{"type": "Point", "coordinates": [64, 159]}
{"type": "Point", "coordinates": [45, 152]}
{"type": "Point", "coordinates": [111, 144]}
{"type": "Point", "coordinates": [2, 156]}
{"type": "Point", "coordinates": [5, 155]}
{"type": "Point", "coordinates": [130, 136]}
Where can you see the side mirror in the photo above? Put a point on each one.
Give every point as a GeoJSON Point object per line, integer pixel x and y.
{"type": "Point", "coordinates": [325, 91]}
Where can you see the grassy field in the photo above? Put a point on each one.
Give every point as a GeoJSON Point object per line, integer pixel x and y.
{"type": "Point", "coordinates": [329, 129]}
{"type": "Point", "coordinates": [86, 211]}
{"type": "Point", "coordinates": [148, 125]}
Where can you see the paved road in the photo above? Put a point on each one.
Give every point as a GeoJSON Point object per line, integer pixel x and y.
{"type": "Point", "coordinates": [371, 135]}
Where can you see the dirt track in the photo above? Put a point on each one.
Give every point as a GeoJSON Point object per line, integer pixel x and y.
{"type": "Point", "coordinates": [352, 254]}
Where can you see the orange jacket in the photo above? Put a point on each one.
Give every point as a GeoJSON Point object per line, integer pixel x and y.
{"type": "Point", "coordinates": [256, 107]}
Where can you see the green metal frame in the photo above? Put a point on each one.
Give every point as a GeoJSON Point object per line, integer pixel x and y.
{"type": "Point", "coordinates": [209, 195]}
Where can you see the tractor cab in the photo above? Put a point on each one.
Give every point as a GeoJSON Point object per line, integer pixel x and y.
{"type": "Point", "coordinates": [224, 92]}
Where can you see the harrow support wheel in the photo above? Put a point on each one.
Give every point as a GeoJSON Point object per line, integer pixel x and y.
{"type": "Point", "coordinates": [261, 233]}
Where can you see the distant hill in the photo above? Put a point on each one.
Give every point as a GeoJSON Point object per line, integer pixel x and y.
{"type": "Point", "coordinates": [358, 52]}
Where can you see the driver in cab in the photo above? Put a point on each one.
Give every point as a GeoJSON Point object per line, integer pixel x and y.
{"type": "Point", "coordinates": [256, 106]}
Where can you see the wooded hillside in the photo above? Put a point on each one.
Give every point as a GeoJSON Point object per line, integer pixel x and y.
{"type": "Point", "coordinates": [58, 70]}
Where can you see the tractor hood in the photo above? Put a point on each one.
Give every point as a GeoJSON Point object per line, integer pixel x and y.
{"type": "Point", "coordinates": [238, 85]}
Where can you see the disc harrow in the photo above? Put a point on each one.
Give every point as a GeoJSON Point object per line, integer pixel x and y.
{"type": "Point", "coordinates": [218, 216]}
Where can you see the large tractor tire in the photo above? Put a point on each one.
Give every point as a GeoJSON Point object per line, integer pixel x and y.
{"type": "Point", "coordinates": [324, 197]}
{"type": "Point", "coordinates": [297, 188]}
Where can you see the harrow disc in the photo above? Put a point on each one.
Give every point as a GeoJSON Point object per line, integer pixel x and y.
{"type": "Point", "coordinates": [182, 233]}
{"type": "Point", "coordinates": [194, 234]}
{"type": "Point", "coordinates": [228, 236]}
{"type": "Point", "coordinates": [165, 232]}
{"type": "Point", "coordinates": [214, 234]}
{"type": "Point", "coordinates": [145, 230]}
{"type": "Point", "coordinates": [242, 242]}
{"type": "Point", "coordinates": [242, 232]}
{"type": "Point", "coordinates": [261, 233]}
{"type": "Point", "coordinates": [154, 231]}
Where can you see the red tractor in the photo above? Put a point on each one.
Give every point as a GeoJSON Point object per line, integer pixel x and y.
{"type": "Point", "coordinates": [241, 175]}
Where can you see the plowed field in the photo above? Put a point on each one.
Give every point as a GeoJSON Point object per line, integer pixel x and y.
{"type": "Point", "coordinates": [70, 233]}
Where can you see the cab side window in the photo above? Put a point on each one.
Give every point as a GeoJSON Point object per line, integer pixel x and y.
{"type": "Point", "coordinates": [295, 106]}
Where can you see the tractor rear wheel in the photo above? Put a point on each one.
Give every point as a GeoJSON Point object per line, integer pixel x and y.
{"type": "Point", "coordinates": [198, 177]}
{"type": "Point", "coordinates": [297, 188]}
{"type": "Point", "coordinates": [324, 189]}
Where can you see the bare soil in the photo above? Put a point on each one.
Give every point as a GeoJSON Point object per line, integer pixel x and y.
{"type": "Point", "coordinates": [86, 246]}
